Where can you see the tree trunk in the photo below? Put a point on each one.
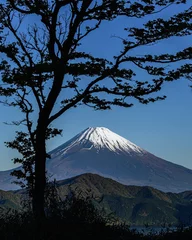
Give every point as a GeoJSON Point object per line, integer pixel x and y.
{"type": "Point", "coordinates": [40, 176]}
{"type": "Point", "coordinates": [40, 147]}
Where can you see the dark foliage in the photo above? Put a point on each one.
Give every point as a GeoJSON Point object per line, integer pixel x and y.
{"type": "Point", "coordinates": [75, 219]}
{"type": "Point", "coordinates": [43, 64]}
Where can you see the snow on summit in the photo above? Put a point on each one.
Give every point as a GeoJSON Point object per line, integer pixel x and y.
{"type": "Point", "coordinates": [101, 151]}
{"type": "Point", "coordinates": [101, 138]}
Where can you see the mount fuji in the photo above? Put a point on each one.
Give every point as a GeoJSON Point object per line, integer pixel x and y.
{"type": "Point", "coordinates": [101, 151]}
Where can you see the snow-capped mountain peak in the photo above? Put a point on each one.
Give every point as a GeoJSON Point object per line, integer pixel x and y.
{"type": "Point", "coordinates": [102, 138]}
{"type": "Point", "coordinates": [101, 151]}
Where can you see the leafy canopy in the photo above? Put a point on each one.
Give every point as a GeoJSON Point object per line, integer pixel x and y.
{"type": "Point", "coordinates": [42, 61]}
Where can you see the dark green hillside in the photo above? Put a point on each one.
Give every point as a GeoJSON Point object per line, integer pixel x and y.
{"type": "Point", "coordinates": [9, 199]}
{"type": "Point", "coordinates": [131, 204]}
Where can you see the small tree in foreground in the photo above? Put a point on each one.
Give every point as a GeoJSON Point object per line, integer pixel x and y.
{"type": "Point", "coordinates": [43, 62]}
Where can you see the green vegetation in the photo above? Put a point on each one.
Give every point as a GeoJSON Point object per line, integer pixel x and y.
{"type": "Point", "coordinates": [75, 219]}
{"type": "Point", "coordinates": [10, 200]}
{"type": "Point", "coordinates": [46, 68]}
{"type": "Point", "coordinates": [133, 205]}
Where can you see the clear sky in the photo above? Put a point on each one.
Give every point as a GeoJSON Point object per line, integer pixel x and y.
{"type": "Point", "coordinates": [162, 128]}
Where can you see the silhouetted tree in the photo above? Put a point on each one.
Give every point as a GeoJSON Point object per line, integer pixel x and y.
{"type": "Point", "coordinates": [42, 62]}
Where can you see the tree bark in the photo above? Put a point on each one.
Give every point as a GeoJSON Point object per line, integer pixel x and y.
{"type": "Point", "coordinates": [40, 173]}
{"type": "Point", "coordinates": [40, 147]}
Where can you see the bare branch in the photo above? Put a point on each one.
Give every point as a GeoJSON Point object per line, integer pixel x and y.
{"type": "Point", "coordinates": [77, 99]}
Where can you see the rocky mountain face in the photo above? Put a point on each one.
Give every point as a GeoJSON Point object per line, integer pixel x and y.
{"type": "Point", "coordinates": [101, 151]}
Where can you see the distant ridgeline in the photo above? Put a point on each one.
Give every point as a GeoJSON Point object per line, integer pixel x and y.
{"type": "Point", "coordinates": [100, 151]}
{"type": "Point", "coordinates": [131, 204]}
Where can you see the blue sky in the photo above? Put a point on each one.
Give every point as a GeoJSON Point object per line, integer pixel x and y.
{"type": "Point", "coordinates": [162, 128]}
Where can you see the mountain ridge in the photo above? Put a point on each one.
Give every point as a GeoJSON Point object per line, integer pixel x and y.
{"type": "Point", "coordinates": [98, 150]}
{"type": "Point", "coordinates": [135, 205]}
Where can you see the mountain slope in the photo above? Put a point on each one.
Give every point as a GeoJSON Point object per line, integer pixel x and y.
{"type": "Point", "coordinates": [9, 200]}
{"type": "Point", "coordinates": [99, 150]}
{"type": "Point", "coordinates": [133, 204]}
{"type": "Point", "coordinates": [6, 180]}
